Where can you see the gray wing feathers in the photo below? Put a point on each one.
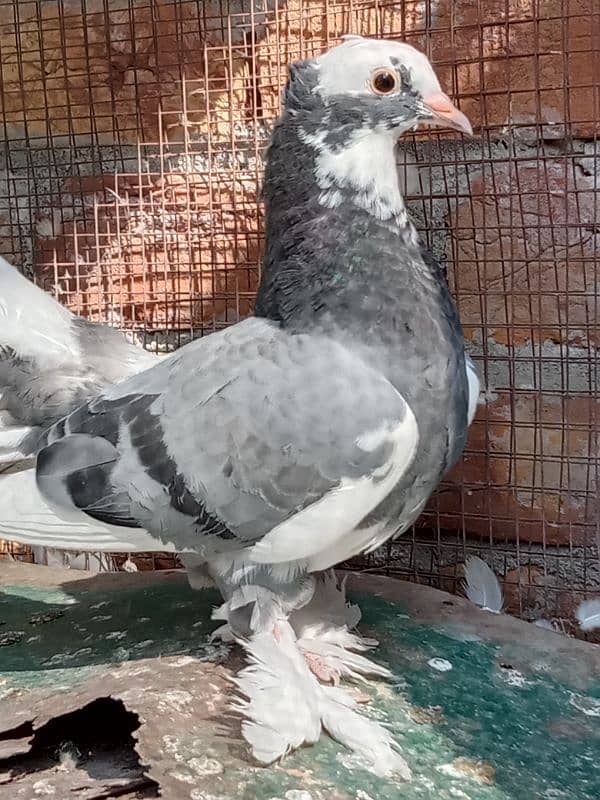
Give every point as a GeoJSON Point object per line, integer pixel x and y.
{"type": "Point", "coordinates": [234, 434]}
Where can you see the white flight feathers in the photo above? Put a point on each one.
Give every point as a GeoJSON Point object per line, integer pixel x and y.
{"type": "Point", "coordinates": [482, 587]}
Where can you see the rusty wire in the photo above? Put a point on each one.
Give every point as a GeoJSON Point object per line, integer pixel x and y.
{"type": "Point", "coordinates": [133, 137]}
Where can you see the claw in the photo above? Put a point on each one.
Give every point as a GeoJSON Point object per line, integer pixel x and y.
{"type": "Point", "coordinates": [322, 669]}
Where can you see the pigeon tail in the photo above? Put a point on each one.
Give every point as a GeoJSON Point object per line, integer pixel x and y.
{"type": "Point", "coordinates": [51, 362]}
{"type": "Point", "coordinates": [27, 518]}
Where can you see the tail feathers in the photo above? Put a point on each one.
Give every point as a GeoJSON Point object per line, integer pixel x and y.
{"type": "Point", "coordinates": [26, 518]}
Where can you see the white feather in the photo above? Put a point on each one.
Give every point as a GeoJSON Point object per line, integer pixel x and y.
{"type": "Point", "coordinates": [588, 615]}
{"type": "Point", "coordinates": [37, 327]}
{"type": "Point", "coordinates": [324, 628]}
{"type": "Point", "coordinates": [371, 742]}
{"type": "Point", "coordinates": [474, 388]}
{"type": "Point", "coordinates": [197, 571]}
{"type": "Point", "coordinates": [280, 700]}
{"type": "Point", "coordinates": [328, 604]}
{"type": "Point", "coordinates": [285, 707]}
{"type": "Point", "coordinates": [482, 586]}
{"type": "Point", "coordinates": [25, 307]}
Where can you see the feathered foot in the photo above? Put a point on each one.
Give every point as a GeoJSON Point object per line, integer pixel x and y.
{"type": "Point", "coordinates": [324, 669]}
{"type": "Point", "coordinates": [281, 699]}
{"type": "Point", "coordinates": [325, 629]}
{"type": "Point", "coordinates": [284, 706]}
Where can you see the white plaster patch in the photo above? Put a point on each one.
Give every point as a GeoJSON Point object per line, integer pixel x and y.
{"type": "Point", "coordinates": [177, 699]}
{"type": "Point", "coordinates": [43, 788]}
{"type": "Point", "coordinates": [184, 777]}
{"type": "Point", "coordinates": [590, 706]}
{"type": "Point", "coordinates": [439, 664]}
{"type": "Point", "coordinates": [145, 643]}
{"type": "Point", "coordinates": [514, 678]}
{"type": "Point", "coordinates": [60, 658]}
{"type": "Point", "coordinates": [200, 794]}
{"type": "Point", "coordinates": [182, 662]}
{"type": "Point", "coordinates": [450, 770]}
{"type": "Point", "coordinates": [206, 766]}
{"type": "Point", "coordinates": [116, 635]}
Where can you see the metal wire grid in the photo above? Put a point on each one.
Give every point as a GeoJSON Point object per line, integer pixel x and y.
{"type": "Point", "coordinates": [151, 220]}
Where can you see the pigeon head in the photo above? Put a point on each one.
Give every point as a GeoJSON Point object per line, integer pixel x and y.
{"type": "Point", "coordinates": [338, 234]}
{"type": "Point", "coordinates": [343, 113]}
{"type": "Point", "coordinates": [372, 85]}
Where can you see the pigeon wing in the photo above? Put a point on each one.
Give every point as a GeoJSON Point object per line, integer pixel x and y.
{"type": "Point", "coordinates": [472, 376]}
{"type": "Point", "coordinates": [285, 442]}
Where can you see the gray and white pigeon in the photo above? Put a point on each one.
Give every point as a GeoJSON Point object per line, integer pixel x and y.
{"type": "Point", "coordinates": [51, 362]}
{"type": "Point", "coordinates": [309, 433]}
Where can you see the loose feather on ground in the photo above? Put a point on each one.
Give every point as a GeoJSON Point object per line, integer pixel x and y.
{"type": "Point", "coordinates": [482, 587]}
{"type": "Point", "coordinates": [588, 615]}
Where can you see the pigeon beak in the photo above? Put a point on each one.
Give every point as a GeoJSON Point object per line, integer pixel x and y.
{"type": "Point", "coordinates": [446, 114]}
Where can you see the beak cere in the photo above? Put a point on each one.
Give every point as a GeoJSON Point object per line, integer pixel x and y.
{"type": "Point", "coordinates": [446, 114]}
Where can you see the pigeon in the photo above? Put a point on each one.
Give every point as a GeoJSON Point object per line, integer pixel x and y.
{"type": "Point", "coordinates": [306, 434]}
{"type": "Point", "coordinates": [51, 361]}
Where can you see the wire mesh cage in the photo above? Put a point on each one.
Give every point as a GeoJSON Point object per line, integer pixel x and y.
{"type": "Point", "coordinates": [133, 133]}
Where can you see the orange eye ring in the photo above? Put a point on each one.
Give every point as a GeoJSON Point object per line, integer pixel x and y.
{"type": "Point", "coordinates": [384, 81]}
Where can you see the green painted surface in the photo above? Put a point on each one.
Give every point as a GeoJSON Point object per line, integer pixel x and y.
{"type": "Point", "coordinates": [540, 734]}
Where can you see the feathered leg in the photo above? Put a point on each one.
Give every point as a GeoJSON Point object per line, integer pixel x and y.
{"type": "Point", "coordinates": [197, 571]}
{"type": "Point", "coordinates": [326, 632]}
{"type": "Point", "coordinates": [292, 634]}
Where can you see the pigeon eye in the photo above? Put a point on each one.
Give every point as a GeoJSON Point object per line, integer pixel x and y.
{"type": "Point", "coordinates": [384, 81]}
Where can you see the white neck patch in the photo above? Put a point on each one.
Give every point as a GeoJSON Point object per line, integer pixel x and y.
{"type": "Point", "coordinates": [367, 167]}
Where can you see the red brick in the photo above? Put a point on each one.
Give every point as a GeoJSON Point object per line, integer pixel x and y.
{"type": "Point", "coordinates": [168, 252]}
{"type": "Point", "coordinates": [527, 49]}
{"type": "Point", "coordinates": [525, 474]}
{"type": "Point", "coordinates": [525, 248]}
{"type": "Point", "coordinates": [105, 73]}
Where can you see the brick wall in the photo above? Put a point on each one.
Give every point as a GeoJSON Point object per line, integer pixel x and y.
{"type": "Point", "coordinates": [173, 241]}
